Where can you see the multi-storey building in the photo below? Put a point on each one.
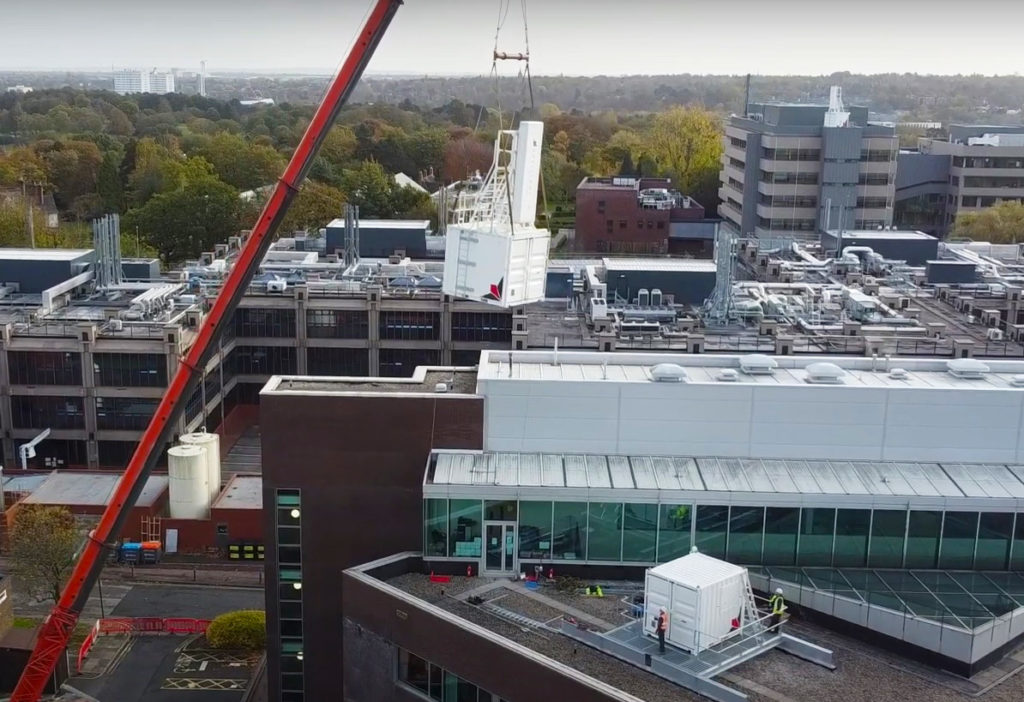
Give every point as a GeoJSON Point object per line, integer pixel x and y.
{"type": "Point", "coordinates": [789, 171]}
{"type": "Point", "coordinates": [128, 82]}
{"type": "Point", "coordinates": [631, 215]}
{"type": "Point", "coordinates": [976, 167]}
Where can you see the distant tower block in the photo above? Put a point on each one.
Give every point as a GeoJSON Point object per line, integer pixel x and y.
{"type": "Point", "coordinates": [494, 253]}
{"type": "Point", "coordinates": [202, 78]}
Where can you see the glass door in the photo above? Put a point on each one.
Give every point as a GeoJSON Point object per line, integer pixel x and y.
{"type": "Point", "coordinates": [499, 557]}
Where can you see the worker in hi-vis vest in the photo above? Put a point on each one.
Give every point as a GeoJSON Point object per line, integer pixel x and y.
{"type": "Point", "coordinates": [777, 603]}
{"type": "Point", "coordinates": [662, 626]}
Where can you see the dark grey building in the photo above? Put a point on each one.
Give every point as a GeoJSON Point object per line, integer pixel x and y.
{"type": "Point", "coordinates": [688, 281]}
{"type": "Point", "coordinates": [916, 248]}
{"type": "Point", "coordinates": [380, 238]}
{"type": "Point", "coordinates": [791, 170]}
{"type": "Point", "coordinates": [36, 270]}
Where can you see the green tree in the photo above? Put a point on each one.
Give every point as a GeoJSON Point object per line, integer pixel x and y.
{"type": "Point", "coordinates": [185, 222]}
{"type": "Point", "coordinates": [686, 143]}
{"type": "Point", "coordinates": [43, 540]}
{"type": "Point", "coordinates": [1003, 223]}
{"type": "Point", "coordinates": [241, 163]}
{"type": "Point", "coordinates": [315, 206]}
{"type": "Point", "coordinates": [244, 630]}
{"type": "Point", "coordinates": [73, 169]}
{"type": "Point", "coordinates": [108, 185]}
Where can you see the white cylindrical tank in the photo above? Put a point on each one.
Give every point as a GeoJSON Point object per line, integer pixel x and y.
{"type": "Point", "coordinates": [189, 495]}
{"type": "Point", "coordinates": [210, 442]}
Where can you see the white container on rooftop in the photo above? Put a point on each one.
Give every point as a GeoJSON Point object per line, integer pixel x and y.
{"type": "Point", "coordinates": [189, 496]}
{"type": "Point", "coordinates": [702, 595]}
{"type": "Point", "coordinates": [211, 442]}
{"type": "Point", "coordinates": [494, 253]}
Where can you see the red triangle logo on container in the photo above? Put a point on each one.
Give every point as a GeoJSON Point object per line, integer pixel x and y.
{"type": "Point", "coordinates": [496, 291]}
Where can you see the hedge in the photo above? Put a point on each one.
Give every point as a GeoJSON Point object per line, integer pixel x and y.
{"type": "Point", "coordinates": [242, 630]}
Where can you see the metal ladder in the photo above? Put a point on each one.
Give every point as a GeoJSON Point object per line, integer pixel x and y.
{"type": "Point", "coordinates": [751, 614]}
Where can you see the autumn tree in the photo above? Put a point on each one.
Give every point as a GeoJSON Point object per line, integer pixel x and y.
{"type": "Point", "coordinates": [1003, 223]}
{"type": "Point", "coordinates": [374, 191]}
{"type": "Point", "coordinates": [43, 541]}
{"type": "Point", "coordinates": [464, 156]}
{"type": "Point", "coordinates": [685, 143]}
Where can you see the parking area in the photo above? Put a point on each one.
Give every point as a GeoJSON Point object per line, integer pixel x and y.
{"type": "Point", "coordinates": [172, 668]}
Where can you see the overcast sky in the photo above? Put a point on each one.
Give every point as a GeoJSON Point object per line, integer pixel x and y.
{"type": "Point", "coordinates": [572, 37]}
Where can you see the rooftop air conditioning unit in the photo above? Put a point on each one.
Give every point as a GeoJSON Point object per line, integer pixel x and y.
{"type": "Point", "coordinates": [277, 285]}
{"type": "Point", "coordinates": [824, 373]}
{"type": "Point", "coordinates": [668, 373]}
{"type": "Point", "coordinates": [967, 368]}
{"type": "Point", "coordinates": [728, 375]}
{"type": "Point", "coordinates": [758, 364]}
{"type": "Point", "coordinates": [116, 325]}
{"type": "Point", "coordinates": [899, 374]}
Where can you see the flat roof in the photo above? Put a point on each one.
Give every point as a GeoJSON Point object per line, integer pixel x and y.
{"type": "Point", "coordinates": [424, 381]}
{"type": "Point", "coordinates": [698, 474]}
{"type": "Point", "coordinates": [81, 489]}
{"type": "Point", "coordinates": [242, 492]}
{"type": "Point", "coordinates": [883, 234]}
{"type": "Point", "coordinates": [792, 371]}
{"type": "Point", "coordinates": [7, 254]}
{"type": "Point", "coordinates": [385, 223]}
{"type": "Point", "coordinates": [659, 264]}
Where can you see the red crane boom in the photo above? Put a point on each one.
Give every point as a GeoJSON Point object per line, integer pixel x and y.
{"type": "Point", "coordinates": [58, 626]}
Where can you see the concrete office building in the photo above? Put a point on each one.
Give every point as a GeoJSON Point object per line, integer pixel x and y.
{"type": "Point", "coordinates": [789, 171]}
{"type": "Point", "coordinates": [129, 82]}
{"type": "Point", "coordinates": [976, 167]}
{"type": "Point", "coordinates": [603, 464]}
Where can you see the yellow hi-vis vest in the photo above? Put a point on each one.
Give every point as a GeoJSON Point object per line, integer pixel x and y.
{"type": "Point", "coordinates": [777, 603]}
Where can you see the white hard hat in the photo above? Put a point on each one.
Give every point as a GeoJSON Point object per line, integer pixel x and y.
{"type": "Point", "coordinates": [778, 591]}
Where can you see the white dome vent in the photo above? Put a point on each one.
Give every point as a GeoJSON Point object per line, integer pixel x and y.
{"type": "Point", "coordinates": [668, 373]}
{"type": "Point", "coordinates": [758, 364]}
{"type": "Point", "coordinates": [728, 375]}
{"type": "Point", "coordinates": [824, 373]}
{"type": "Point", "coordinates": [1017, 381]}
{"type": "Point", "coordinates": [966, 368]}
{"type": "Point", "coordinates": [899, 374]}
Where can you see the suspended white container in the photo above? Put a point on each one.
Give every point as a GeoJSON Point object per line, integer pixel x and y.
{"type": "Point", "coordinates": [493, 251]}
{"type": "Point", "coordinates": [211, 442]}
{"type": "Point", "coordinates": [703, 596]}
{"type": "Point", "coordinates": [189, 494]}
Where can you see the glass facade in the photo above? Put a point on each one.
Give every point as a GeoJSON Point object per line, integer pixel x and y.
{"type": "Point", "coordinates": [337, 324]}
{"type": "Point", "coordinates": [410, 326]}
{"type": "Point", "coordinates": [401, 363]}
{"type": "Point", "coordinates": [482, 326]}
{"type": "Point", "coordinates": [433, 682]}
{"type": "Point", "coordinates": [264, 360]}
{"type": "Point", "coordinates": [288, 519]}
{"type": "Point", "coordinates": [130, 370]}
{"type": "Point", "coordinates": [337, 361]}
{"type": "Point", "coordinates": [45, 368]}
{"type": "Point", "coordinates": [649, 533]}
{"type": "Point", "coordinates": [253, 322]}
{"type": "Point", "coordinates": [130, 413]}
{"type": "Point", "coordinates": [35, 411]}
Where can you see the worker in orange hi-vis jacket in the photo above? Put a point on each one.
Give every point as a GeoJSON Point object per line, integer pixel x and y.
{"type": "Point", "coordinates": [662, 629]}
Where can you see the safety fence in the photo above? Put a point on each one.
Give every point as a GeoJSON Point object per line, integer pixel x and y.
{"type": "Point", "coordinates": [131, 626]}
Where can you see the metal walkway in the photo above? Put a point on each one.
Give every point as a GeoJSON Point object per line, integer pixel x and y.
{"type": "Point", "coordinates": [694, 672]}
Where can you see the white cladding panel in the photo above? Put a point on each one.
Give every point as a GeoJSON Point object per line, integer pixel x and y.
{"type": "Point", "coordinates": [499, 268]}
{"type": "Point", "coordinates": [526, 177]}
{"type": "Point", "coordinates": [754, 420]}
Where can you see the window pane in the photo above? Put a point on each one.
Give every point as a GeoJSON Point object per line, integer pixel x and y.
{"type": "Point", "coordinates": [674, 532]}
{"type": "Point", "coordinates": [605, 535]}
{"type": "Point", "coordinates": [1017, 560]}
{"type": "Point", "coordinates": [994, 533]}
{"type": "Point", "coordinates": [413, 670]}
{"type": "Point", "coordinates": [436, 681]}
{"type": "Point", "coordinates": [851, 542]}
{"type": "Point", "coordinates": [465, 535]}
{"type": "Point", "coordinates": [535, 530]}
{"type": "Point", "coordinates": [435, 527]}
{"type": "Point", "coordinates": [746, 528]}
{"type": "Point", "coordinates": [501, 511]}
{"type": "Point", "coordinates": [780, 528]}
{"type": "Point", "coordinates": [923, 539]}
{"type": "Point", "coordinates": [710, 531]}
{"type": "Point", "coordinates": [959, 531]}
{"type": "Point", "coordinates": [817, 529]}
{"type": "Point", "coordinates": [639, 532]}
{"type": "Point", "coordinates": [570, 531]}
{"type": "Point", "coordinates": [887, 529]}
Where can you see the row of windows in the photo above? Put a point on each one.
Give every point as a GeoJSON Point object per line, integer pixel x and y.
{"type": "Point", "coordinates": [253, 322]}
{"type": "Point", "coordinates": [36, 412]}
{"type": "Point", "coordinates": [801, 225]}
{"type": "Point", "coordinates": [401, 363]}
{"type": "Point", "coordinates": [337, 324]}
{"type": "Point", "coordinates": [789, 178]}
{"type": "Point", "coordinates": [288, 520]}
{"type": "Point", "coordinates": [993, 162]}
{"type": "Point", "coordinates": [124, 412]}
{"type": "Point", "coordinates": [992, 182]}
{"type": "Point", "coordinates": [410, 326]}
{"type": "Point", "coordinates": [264, 360]}
{"type": "Point", "coordinates": [651, 533]}
{"type": "Point", "coordinates": [873, 203]}
{"type": "Point", "coordinates": [65, 368]}
{"type": "Point", "coordinates": [791, 154]}
{"type": "Point", "coordinates": [873, 179]}
{"type": "Point", "coordinates": [631, 247]}
{"type": "Point", "coordinates": [640, 224]}
{"type": "Point", "coordinates": [481, 326]}
{"type": "Point", "coordinates": [435, 683]}
{"type": "Point", "coordinates": [869, 224]}
{"type": "Point", "coordinates": [788, 200]}
{"type": "Point", "coordinates": [876, 155]}
{"type": "Point", "coordinates": [968, 201]}
{"type": "Point", "coordinates": [332, 361]}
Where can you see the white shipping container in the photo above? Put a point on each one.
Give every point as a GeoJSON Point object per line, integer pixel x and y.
{"type": "Point", "coordinates": [703, 596]}
{"type": "Point", "coordinates": [497, 268]}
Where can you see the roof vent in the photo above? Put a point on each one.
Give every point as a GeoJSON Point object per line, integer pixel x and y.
{"type": "Point", "coordinates": [824, 373]}
{"type": "Point", "coordinates": [758, 364]}
{"type": "Point", "coordinates": [898, 374]}
{"type": "Point", "coordinates": [441, 387]}
{"type": "Point", "coordinates": [668, 373]}
{"type": "Point", "coordinates": [1017, 381]}
{"type": "Point", "coordinates": [968, 368]}
{"type": "Point", "coordinates": [728, 375]}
